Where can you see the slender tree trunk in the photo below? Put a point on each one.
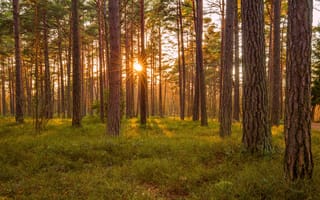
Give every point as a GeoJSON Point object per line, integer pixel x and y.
{"type": "Point", "coordinates": [298, 163]}
{"type": "Point", "coordinates": [113, 121]}
{"type": "Point", "coordinates": [183, 63]}
{"type": "Point", "coordinates": [101, 60]}
{"type": "Point", "coordinates": [11, 93]}
{"type": "Point", "coordinates": [256, 127]}
{"type": "Point", "coordinates": [3, 93]}
{"type": "Point", "coordinates": [61, 72]}
{"type": "Point", "coordinates": [48, 106]}
{"type": "Point", "coordinates": [37, 80]}
{"type": "Point", "coordinates": [129, 72]}
{"type": "Point", "coordinates": [152, 93]}
{"type": "Point", "coordinates": [275, 65]}
{"type": "Point", "coordinates": [181, 100]}
{"type": "Point", "coordinates": [69, 59]}
{"type": "Point", "coordinates": [236, 98]}
{"type": "Point", "coordinates": [29, 89]}
{"type": "Point", "coordinates": [131, 66]}
{"type": "Point", "coordinates": [76, 76]}
{"type": "Point", "coordinates": [226, 93]}
{"type": "Point", "coordinates": [199, 60]}
{"type": "Point", "coordinates": [196, 100]}
{"type": "Point", "coordinates": [143, 73]}
{"type": "Point", "coordinates": [19, 88]}
{"type": "Point", "coordinates": [160, 73]}
{"type": "Point", "coordinates": [222, 10]}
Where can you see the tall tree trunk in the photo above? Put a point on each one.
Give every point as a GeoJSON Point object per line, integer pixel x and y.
{"type": "Point", "coordinates": [275, 65]}
{"type": "Point", "coordinates": [48, 106]}
{"type": "Point", "coordinates": [222, 11]}
{"type": "Point", "coordinates": [11, 88]}
{"type": "Point", "coordinates": [129, 72]}
{"type": "Point", "coordinates": [19, 88]}
{"type": "Point", "coordinates": [236, 98]}
{"type": "Point", "coordinates": [183, 62]}
{"type": "Point", "coordinates": [61, 71]}
{"type": "Point", "coordinates": [160, 73]}
{"type": "Point", "coordinates": [152, 88]}
{"type": "Point", "coordinates": [37, 122]}
{"type": "Point", "coordinates": [3, 91]}
{"type": "Point", "coordinates": [199, 61]}
{"type": "Point", "coordinates": [298, 163]}
{"type": "Point", "coordinates": [181, 98]}
{"type": "Point", "coordinates": [256, 127]}
{"type": "Point", "coordinates": [76, 79]}
{"type": "Point", "coordinates": [196, 100]}
{"type": "Point", "coordinates": [101, 60]}
{"type": "Point", "coordinates": [131, 64]}
{"type": "Point", "coordinates": [226, 93]}
{"type": "Point", "coordinates": [69, 60]}
{"type": "Point", "coordinates": [143, 73]}
{"type": "Point", "coordinates": [113, 121]}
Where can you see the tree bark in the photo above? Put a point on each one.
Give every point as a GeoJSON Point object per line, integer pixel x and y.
{"type": "Point", "coordinates": [275, 65]}
{"type": "Point", "coordinates": [199, 61]}
{"type": "Point", "coordinates": [101, 60]}
{"type": "Point", "coordinates": [196, 90]}
{"type": "Point", "coordinates": [226, 93]}
{"type": "Point", "coordinates": [113, 121]}
{"type": "Point", "coordinates": [256, 128]}
{"type": "Point", "coordinates": [76, 79]}
{"type": "Point", "coordinates": [183, 63]}
{"type": "Point", "coordinates": [298, 163]}
{"type": "Point", "coordinates": [222, 10]}
{"type": "Point", "coordinates": [19, 88]}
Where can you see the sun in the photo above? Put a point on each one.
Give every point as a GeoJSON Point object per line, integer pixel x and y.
{"type": "Point", "coordinates": [137, 67]}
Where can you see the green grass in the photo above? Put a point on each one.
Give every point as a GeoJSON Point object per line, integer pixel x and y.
{"type": "Point", "coordinates": [167, 159]}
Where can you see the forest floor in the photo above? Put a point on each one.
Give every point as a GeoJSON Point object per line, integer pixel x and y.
{"type": "Point", "coordinates": [167, 159]}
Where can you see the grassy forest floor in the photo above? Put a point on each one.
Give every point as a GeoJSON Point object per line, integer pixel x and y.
{"type": "Point", "coordinates": [169, 159]}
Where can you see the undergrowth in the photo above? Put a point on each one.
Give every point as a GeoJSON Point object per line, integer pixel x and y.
{"type": "Point", "coordinates": [167, 159]}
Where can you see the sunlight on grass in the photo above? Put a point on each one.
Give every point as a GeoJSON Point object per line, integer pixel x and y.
{"type": "Point", "coordinates": [164, 128]}
{"type": "Point", "coordinates": [167, 159]}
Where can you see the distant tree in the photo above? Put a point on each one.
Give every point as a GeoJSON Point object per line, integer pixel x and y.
{"type": "Point", "coordinates": [3, 91]}
{"type": "Point", "coordinates": [226, 92]}
{"type": "Point", "coordinates": [113, 121]}
{"type": "Point", "coordinates": [19, 88]}
{"type": "Point", "coordinates": [298, 162]}
{"type": "Point", "coordinates": [256, 128]}
{"type": "Point", "coordinates": [76, 81]}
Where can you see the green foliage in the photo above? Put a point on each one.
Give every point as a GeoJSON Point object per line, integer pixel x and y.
{"type": "Point", "coordinates": [167, 159]}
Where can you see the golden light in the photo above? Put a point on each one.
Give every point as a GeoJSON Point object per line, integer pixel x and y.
{"type": "Point", "coordinates": [137, 67]}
